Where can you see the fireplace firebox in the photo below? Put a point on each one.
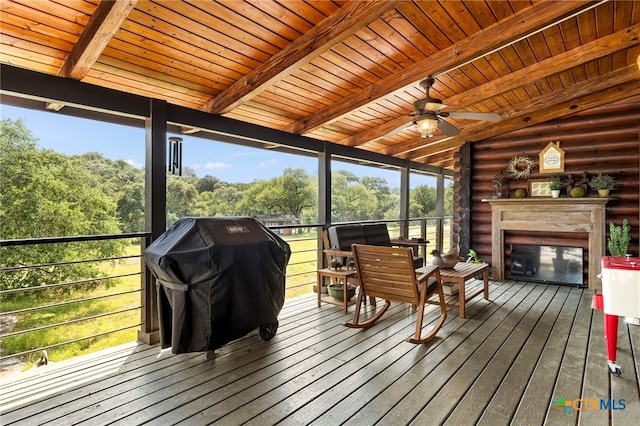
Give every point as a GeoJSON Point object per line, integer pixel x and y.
{"type": "Point", "coordinates": [552, 264]}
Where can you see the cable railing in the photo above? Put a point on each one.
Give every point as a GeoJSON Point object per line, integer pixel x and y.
{"type": "Point", "coordinates": [102, 309]}
{"type": "Point", "coordinates": [70, 306]}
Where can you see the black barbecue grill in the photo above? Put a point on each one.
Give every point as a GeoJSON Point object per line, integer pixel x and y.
{"type": "Point", "coordinates": [218, 278]}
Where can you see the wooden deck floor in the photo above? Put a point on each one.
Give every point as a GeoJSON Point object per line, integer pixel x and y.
{"type": "Point", "coordinates": [508, 363]}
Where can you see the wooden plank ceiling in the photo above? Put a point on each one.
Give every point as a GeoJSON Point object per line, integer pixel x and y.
{"type": "Point", "coordinates": [342, 71]}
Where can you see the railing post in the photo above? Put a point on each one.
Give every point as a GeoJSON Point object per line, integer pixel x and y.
{"type": "Point", "coordinates": [439, 234]}
{"type": "Point", "coordinates": [155, 210]}
{"type": "Point", "coordinates": [149, 332]}
{"type": "Point", "coordinates": [324, 198]}
{"type": "Point", "coordinates": [405, 174]}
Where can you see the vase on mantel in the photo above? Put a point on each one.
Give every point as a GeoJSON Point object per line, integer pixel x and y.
{"type": "Point", "coordinates": [555, 193]}
{"type": "Point", "coordinates": [603, 192]}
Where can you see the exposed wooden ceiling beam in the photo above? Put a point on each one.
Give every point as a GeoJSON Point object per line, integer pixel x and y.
{"type": "Point", "coordinates": [536, 72]}
{"type": "Point", "coordinates": [442, 159]}
{"type": "Point", "coordinates": [506, 31]}
{"type": "Point", "coordinates": [611, 87]}
{"type": "Point", "coordinates": [102, 26]}
{"type": "Point", "coordinates": [374, 133]}
{"type": "Point", "coordinates": [598, 48]}
{"type": "Point", "coordinates": [331, 31]}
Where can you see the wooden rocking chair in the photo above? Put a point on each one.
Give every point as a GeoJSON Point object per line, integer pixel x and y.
{"type": "Point", "coordinates": [387, 272]}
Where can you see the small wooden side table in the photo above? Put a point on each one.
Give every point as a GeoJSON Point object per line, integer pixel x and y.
{"type": "Point", "coordinates": [413, 243]}
{"type": "Point", "coordinates": [341, 275]}
{"type": "Point", "coordinates": [460, 274]}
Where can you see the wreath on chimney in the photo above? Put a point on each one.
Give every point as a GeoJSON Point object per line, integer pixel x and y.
{"type": "Point", "coordinates": [520, 167]}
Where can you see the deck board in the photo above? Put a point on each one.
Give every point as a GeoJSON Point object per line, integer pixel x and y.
{"type": "Point", "coordinates": [507, 363]}
{"type": "Point", "coordinates": [422, 380]}
{"type": "Point", "coordinates": [626, 384]}
{"type": "Point", "coordinates": [446, 400]}
{"type": "Point", "coordinates": [533, 374]}
{"type": "Point", "coordinates": [520, 350]}
{"type": "Point", "coordinates": [374, 398]}
{"type": "Point", "coordinates": [596, 380]}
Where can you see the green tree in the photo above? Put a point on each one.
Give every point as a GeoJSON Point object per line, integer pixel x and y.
{"type": "Point", "coordinates": [182, 199]}
{"type": "Point", "coordinates": [222, 201]}
{"type": "Point", "coordinates": [448, 200]}
{"type": "Point", "coordinates": [357, 203]}
{"type": "Point", "coordinates": [295, 192]}
{"type": "Point", "coordinates": [258, 199]}
{"type": "Point", "coordinates": [289, 194]}
{"type": "Point", "coordinates": [48, 194]}
{"type": "Point", "coordinates": [422, 201]}
{"type": "Point", "coordinates": [350, 199]}
{"type": "Point", "coordinates": [388, 203]}
{"type": "Point", "coordinates": [131, 207]}
{"type": "Point", "coordinates": [124, 183]}
{"type": "Point", "coordinates": [208, 184]}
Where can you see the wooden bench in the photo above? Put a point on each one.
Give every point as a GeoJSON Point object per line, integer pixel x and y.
{"type": "Point", "coordinates": [388, 273]}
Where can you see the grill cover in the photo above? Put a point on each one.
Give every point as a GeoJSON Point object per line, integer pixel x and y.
{"type": "Point", "coordinates": [218, 278]}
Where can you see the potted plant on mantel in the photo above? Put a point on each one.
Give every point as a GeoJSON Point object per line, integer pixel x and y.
{"type": "Point", "coordinates": [619, 237]}
{"type": "Point", "coordinates": [603, 184]}
{"type": "Point", "coordinates": [555, 186]}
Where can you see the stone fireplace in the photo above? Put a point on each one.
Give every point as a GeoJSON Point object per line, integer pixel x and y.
{"type": "Point", "coordinates": [579, 215]}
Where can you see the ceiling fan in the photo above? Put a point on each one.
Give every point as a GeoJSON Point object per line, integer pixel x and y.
{"type": "Point", "coordinates": [428, 116]}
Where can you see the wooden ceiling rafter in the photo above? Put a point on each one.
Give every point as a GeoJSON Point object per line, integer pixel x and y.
{"type": "Point", "coordinates": [332, 30]}
{"type": "Point", "coordinates": [501, 85]}
{"type": "Point", "coordinates": [102, 26]}
{"type": "Point", "coordinates": [474, 46]}
{"type": "Point", "coordinates": [338, 71]}
{"type": "Point", "coordinates": [536, 72]}
{"type": "Point", "coordinates": [595, 92]}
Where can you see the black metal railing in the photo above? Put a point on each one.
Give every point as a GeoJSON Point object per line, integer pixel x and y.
{"type": "Point", "coordinates": [42, 317]}
{"type": "Point", "coordinates": [75, 314]}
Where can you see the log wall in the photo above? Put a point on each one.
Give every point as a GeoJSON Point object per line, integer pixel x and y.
{"type": "Point", "coordinates": [603, 140]}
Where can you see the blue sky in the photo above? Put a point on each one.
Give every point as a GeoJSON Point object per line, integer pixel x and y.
{"type": "Point", "coordinates": [227, 162]}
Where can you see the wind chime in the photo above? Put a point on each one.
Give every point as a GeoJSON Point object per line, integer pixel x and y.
{"type": "Point", "coordinates": [175, 156]}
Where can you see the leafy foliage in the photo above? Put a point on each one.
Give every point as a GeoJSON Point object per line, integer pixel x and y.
{"type": "Point", "coordinates": [388, 202]}
{"type": "Point", "coordinates": [48, 194]}
{"type": "Point", "coordinates": [350, 199]}
{"type": "Point", "coordinates": [619, 238]}
{"type": "Point", "coordinates": [603, 182]}
{"type": "Point", "coordinates": [423, 201]}
{"type": "Point", "coordinates": [473, 257]}
{"type": "Point", "coordinates": [555, 183]}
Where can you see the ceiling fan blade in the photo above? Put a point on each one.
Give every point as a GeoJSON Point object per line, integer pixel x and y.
{"type": "Point", "coordinates": [427, 105]}
{"type": "Point", "coordinates": [484, 116]}
{"type": "Point", "coordinates": [447, 128]}
{"type": "Point", "coordinates": [395, 131]}
{"type": "Point", "coordinates": [398, 129]}
{"type": "Point", "coordinates": [433, 106]}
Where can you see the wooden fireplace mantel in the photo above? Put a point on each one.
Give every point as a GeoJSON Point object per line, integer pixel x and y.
{"type": "Point", "coordinates": [578, 215]}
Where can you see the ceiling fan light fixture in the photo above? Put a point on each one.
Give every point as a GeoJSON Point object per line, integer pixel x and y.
{"type": "Point", "coordinates": [427, 126]}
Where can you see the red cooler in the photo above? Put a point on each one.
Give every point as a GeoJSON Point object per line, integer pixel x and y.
{"type": "Point", "coordinates": [620, 298]}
